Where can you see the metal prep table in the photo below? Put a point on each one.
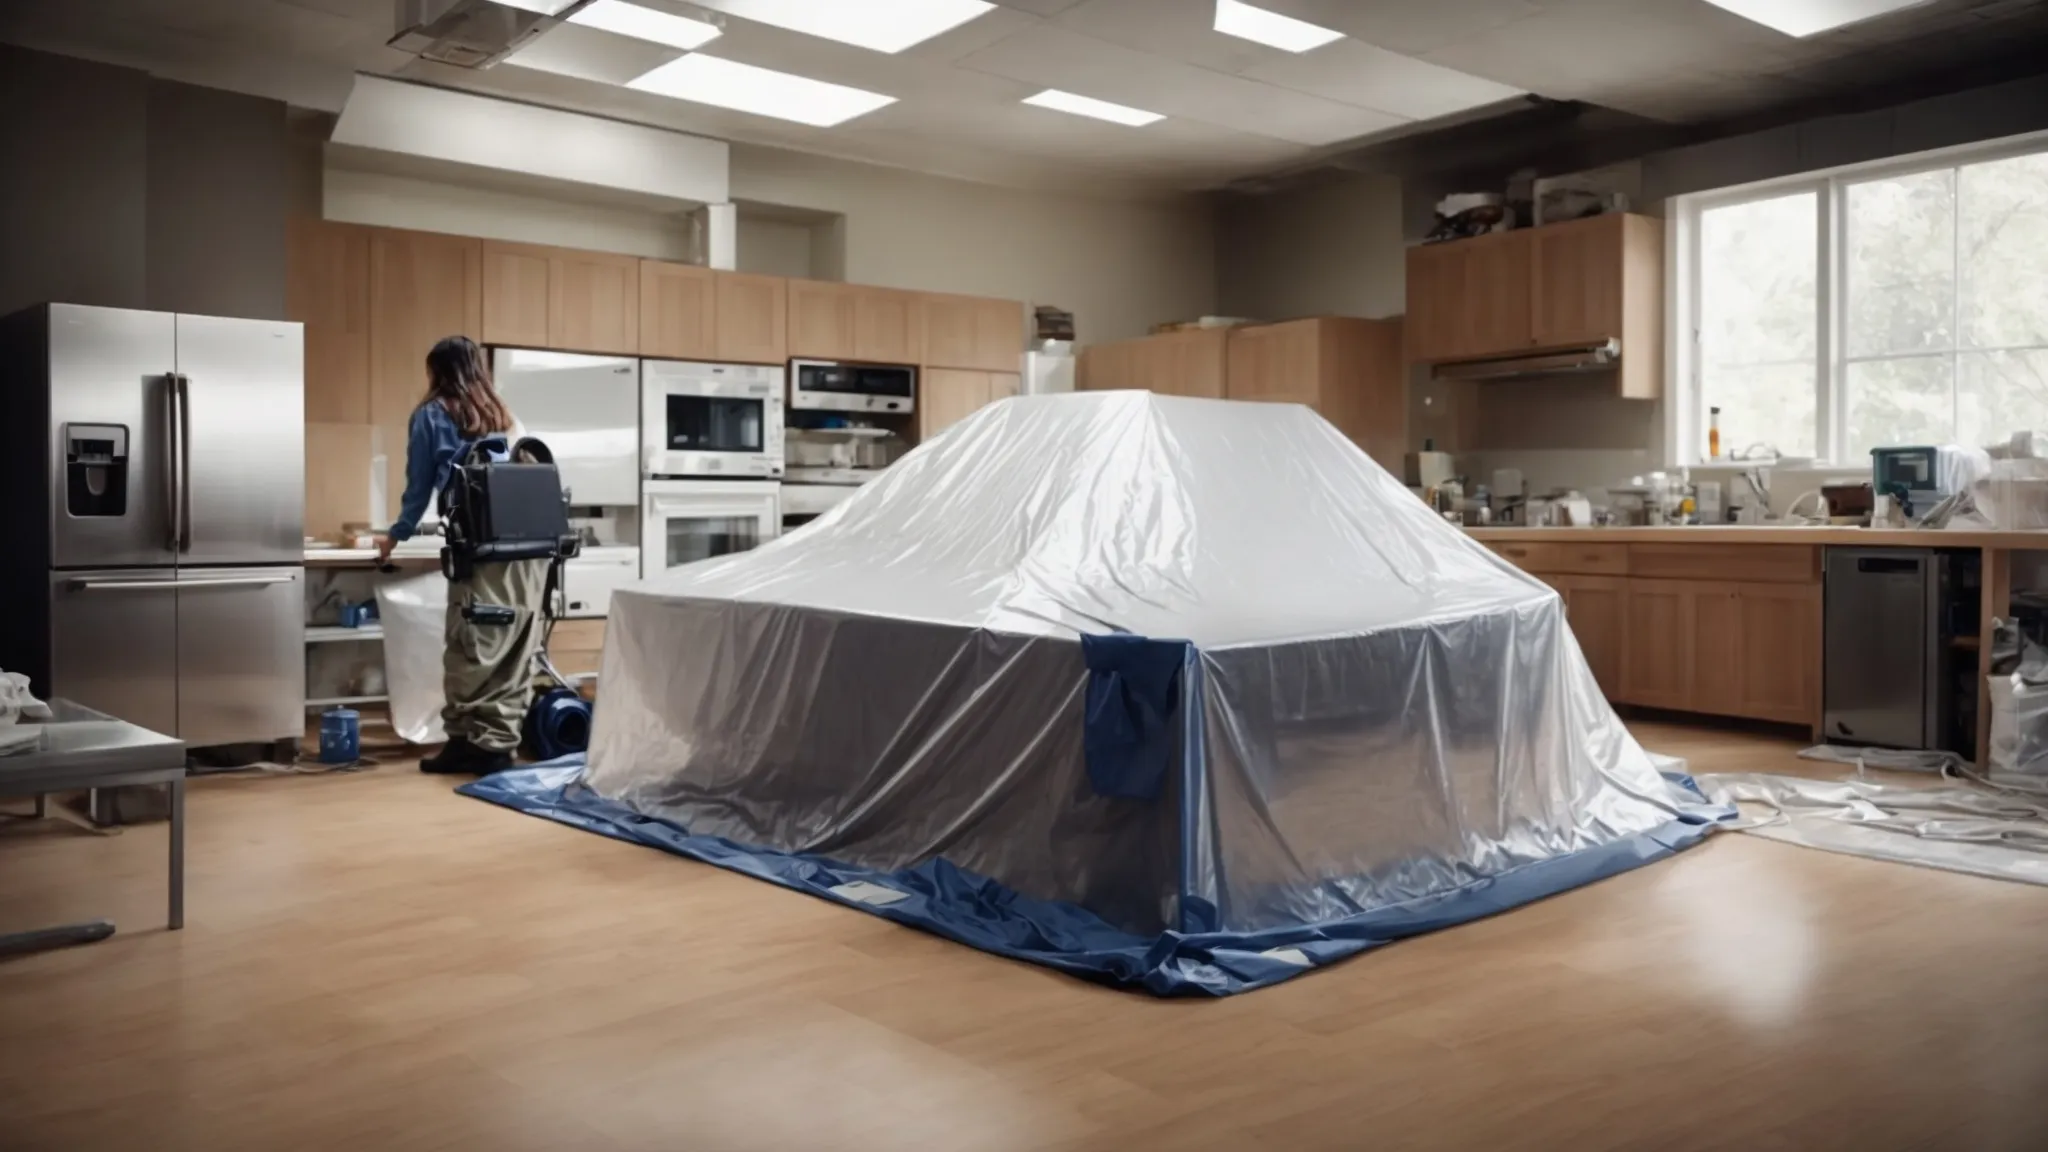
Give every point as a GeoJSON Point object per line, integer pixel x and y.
{"type": "Point", "coordinates": [80, 749]}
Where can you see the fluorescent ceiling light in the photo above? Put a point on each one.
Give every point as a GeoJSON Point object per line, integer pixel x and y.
{"type": "Point", "coordinates": [544, 7]}
{"type": "Point", "coordinates": [883, 25]}
{"type": "Point", "coordinates": [762, 91]}
{"type": "Point", "coordinates": [1811, 17]}
{"type": "Point", "coordinates": [1271, 28]}
{"type": "Point", "coordinates": [645, 24]}
{"type": "Point", "coordinates": [1086, 106]}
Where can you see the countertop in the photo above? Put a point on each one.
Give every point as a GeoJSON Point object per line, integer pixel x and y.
{"type": "Point", "coordinates": [1751, 534]}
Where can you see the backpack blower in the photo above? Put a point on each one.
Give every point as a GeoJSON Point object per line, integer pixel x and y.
{"type": "Point", "coordinates": [507, 503]}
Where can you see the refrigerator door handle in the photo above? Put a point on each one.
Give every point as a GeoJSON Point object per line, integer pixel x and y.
{"type": "Point", "coordinates": [184, 385]}
{"type": "Point", "coordinates": [257, 581]}
{"type": "Point", "coordinates": [92, 584]}
{"type": "Point", "coordinates": [172, 501]}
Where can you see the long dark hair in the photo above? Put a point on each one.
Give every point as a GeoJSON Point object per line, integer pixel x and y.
{"type": "Point", "coordinates": [459, 379]}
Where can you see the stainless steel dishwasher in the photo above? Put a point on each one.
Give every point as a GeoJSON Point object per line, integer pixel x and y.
{"type": "Point", "coordinates": [1887, 647]}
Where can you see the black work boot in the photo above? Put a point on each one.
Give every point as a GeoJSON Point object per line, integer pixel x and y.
{"type": "Point", "coordinates": [489, 760]}
{"type": "Point", "coordinates": [459, 757]}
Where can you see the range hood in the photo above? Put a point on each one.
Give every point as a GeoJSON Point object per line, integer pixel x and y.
{"type": "Point", "coordinates": [1553, 362]}
{"type": "Point", "coordinates": [474, 33]}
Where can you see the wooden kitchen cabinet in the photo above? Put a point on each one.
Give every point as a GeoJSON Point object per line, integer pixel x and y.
{"type": "Point", "coordinates": [1781, 635]}
{"type": "Point", "coordinates": [947, 396]}
{"type": "Point", "coordinates": [888, 326]}
{"type": "Point", "coordinates": [1568, 285]}
{"type": "Point", "coordinates": [1348, 370]}
{"type": "Point", "coordinates": [821, 320]}
{"type": "Point", "coordinates": [678, 311]}
{"type": "Point", "coordinates": [594, 302]}
{"type": "Point", "coordinates": [537, 297]}
{"type": "Point", "coordinates": [1596, 607]}
{"type": "Point", "coordinates": [1499, 315]}
{"type": "Point", "coordinates": [1187, 363]}
{"type": "Point", "coordinates": [972, 332]}
{"type": "Point", "coordinates": [423, 286]}
{"type": "Point", "coordinates": [515, 280]}
{"type": "Point", "coordinates": [327, 289]}
{"type": "Point", "coordinates": [752, 318]}
{"type": "Point", "coordinates": [1657, 659]}
{"type": "Point", "coordinates": [1436, 303]}
{"type": "Point", "coordinates": [832, 321]}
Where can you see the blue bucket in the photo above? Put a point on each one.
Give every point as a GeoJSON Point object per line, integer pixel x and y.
{"type": "Point", "coordinates": [341, 736]}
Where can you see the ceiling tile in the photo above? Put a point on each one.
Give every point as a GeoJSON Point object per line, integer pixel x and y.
{"type": "Point", "coordinates": [1056, 58]}
{"type": "Point", "coordinates": [1182, 30]}
{"type": "Point", "coordinates": [1358, 73]}
{"type": "Point", "coordinates": [591, 54]}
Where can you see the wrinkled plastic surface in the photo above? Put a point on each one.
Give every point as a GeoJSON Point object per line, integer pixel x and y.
{"type": "Point", "coordinates": [938, 897]}
{"type": "Point", "coordinates": [414, 612]}
{"type": "Point", "coordinates": [1958, 829]}
{"type": "Point", "coordinates": [1376, 709]}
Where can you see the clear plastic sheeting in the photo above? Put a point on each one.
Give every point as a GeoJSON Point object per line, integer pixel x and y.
{"type": "Point", "coordinates": [1371, 709]}
{"type": "Point", "coordinates": [1956, 828]}
{"type": "Point", "coordinates": [414, 615]}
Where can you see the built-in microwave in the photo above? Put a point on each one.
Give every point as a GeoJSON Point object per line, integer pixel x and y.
{"type": "Point", "coordinates": [711, 419]}
{"type": "Point", "coordinates": [824, 385]}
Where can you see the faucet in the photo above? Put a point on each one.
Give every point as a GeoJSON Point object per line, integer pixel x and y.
{"type": "Point", "coordinates": [1759, 483]}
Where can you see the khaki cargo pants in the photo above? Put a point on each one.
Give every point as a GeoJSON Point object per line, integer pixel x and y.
{"type": "Point", "coordinates": [487, 670]}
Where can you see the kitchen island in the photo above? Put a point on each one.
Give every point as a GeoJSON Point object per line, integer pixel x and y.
{"type": "Point", "coordinates": [1727, 620]}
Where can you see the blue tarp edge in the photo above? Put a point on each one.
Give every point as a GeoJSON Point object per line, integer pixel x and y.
{"type": "Point", "coordinates": [974, 910]}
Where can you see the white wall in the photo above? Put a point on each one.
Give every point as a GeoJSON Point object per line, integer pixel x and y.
{"type": "Point", "coordinates": [1119, 266]}
{"type": "Point", "coordinates": [1328, 248]}
{"type": "Point", "coordinates": [393, 201]}
{"type": "Point", "coordinates": [776, 247]}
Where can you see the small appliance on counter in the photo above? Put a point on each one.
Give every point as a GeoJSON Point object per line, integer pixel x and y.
{"type": "Point", "coordinates": [830, 386]}
{"type": "Point", "coordinates": [1428, 468]}
{"type": "Point", "coordinates": [1918, 478]}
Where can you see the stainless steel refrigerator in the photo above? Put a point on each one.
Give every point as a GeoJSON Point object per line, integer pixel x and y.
{"type": "Point", "coordinates": [154, 479]}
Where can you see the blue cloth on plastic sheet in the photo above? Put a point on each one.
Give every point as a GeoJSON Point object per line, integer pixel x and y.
{"type": "Point", "coordinates": [959, 905]}
{"type": "Point", "coordinates": [1133, 691]}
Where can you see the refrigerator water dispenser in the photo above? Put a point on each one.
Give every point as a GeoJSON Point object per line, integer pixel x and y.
{"type": "Point", "coordinates": [96, 469]}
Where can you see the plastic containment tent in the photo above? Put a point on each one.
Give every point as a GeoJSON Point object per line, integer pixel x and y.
{"type": "Point", "coordinates": [1187, 695]}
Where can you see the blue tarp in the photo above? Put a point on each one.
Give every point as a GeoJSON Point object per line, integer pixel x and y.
{"type": "Point", "coordinates": [974, 910]}
{"type": "Point", "coordinates": [1133, 692]}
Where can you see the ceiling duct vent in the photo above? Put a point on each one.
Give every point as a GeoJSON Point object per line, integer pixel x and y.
{"type": "Point", "coordinates": [473, 33]}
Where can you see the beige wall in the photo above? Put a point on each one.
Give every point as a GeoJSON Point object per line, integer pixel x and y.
{"type": "Point", "coordinates": [1331, 247]}
{"type": "Point", "coordinates": [394, 201]}
{"type": "Point", "coordinates": [777, 247]}
{"type": "Point", "coordinates": [1119, 266]}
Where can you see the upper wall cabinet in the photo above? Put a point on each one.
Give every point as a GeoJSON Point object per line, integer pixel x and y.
{"type": "Point", "coordinates": [1348, 370]}
{"type": "Point", "coordinates": [834, 321]}
{"type": "Point", "coordinates": [973, 332]}
{"type": "Point", "coordinates": [678, 311]}
{"type": "Point", "coordinates": [821, 319]}
{"type": "Point", "coordinates": [327, 289]}
{"type": "Point", "coordinates": [752, 318]}
{"type": "Point", "coordinates": [1186, 363]}
{"type": "Point", "coordinates": [1555, 287]}
{"type": "Point", "coordinates": [423, 286]}
{"type": "Point", "coordinates": [560, 298]}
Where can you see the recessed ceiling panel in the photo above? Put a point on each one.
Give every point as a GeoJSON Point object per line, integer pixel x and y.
{"type": "Point", "coordinates": [1361, 74]}
{"type": "Point", "coordinates": [588, 54]}
{"type": "Point", "coordinates": [1055, 58]}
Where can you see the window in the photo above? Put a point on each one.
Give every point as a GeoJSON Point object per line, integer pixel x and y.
{"type": "Point", "coordinates": [1832, 315]}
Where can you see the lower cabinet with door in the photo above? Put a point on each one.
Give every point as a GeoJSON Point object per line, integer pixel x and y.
{"type": "Point", "coordinates": [947, 396]}
{"type": "Point", "coordinates": [1720, 630]}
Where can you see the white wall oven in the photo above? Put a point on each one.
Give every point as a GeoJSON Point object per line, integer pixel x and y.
{"type": "Point", "coordinates": [712, 420]}
{"type": "Point", "coordinates": [828, 386]}
{"type": "Point", "coordinates": [684, 521]}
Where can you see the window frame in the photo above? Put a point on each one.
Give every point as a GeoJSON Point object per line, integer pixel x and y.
{"type": "Point", "coordinates": [1685, 413]}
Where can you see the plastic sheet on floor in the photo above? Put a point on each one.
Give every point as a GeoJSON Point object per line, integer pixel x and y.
{"type": "Point", "coordinates": [1957, 828]}
{"type": "Point", "coordinates": [952, 902]}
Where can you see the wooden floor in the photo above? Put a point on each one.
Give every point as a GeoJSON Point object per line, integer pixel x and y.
{"type": "Point", "coordinates": [372, 962]}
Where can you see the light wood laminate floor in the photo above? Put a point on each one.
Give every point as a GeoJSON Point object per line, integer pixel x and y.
{"type": "Point", "coordinates": [372, 962]}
